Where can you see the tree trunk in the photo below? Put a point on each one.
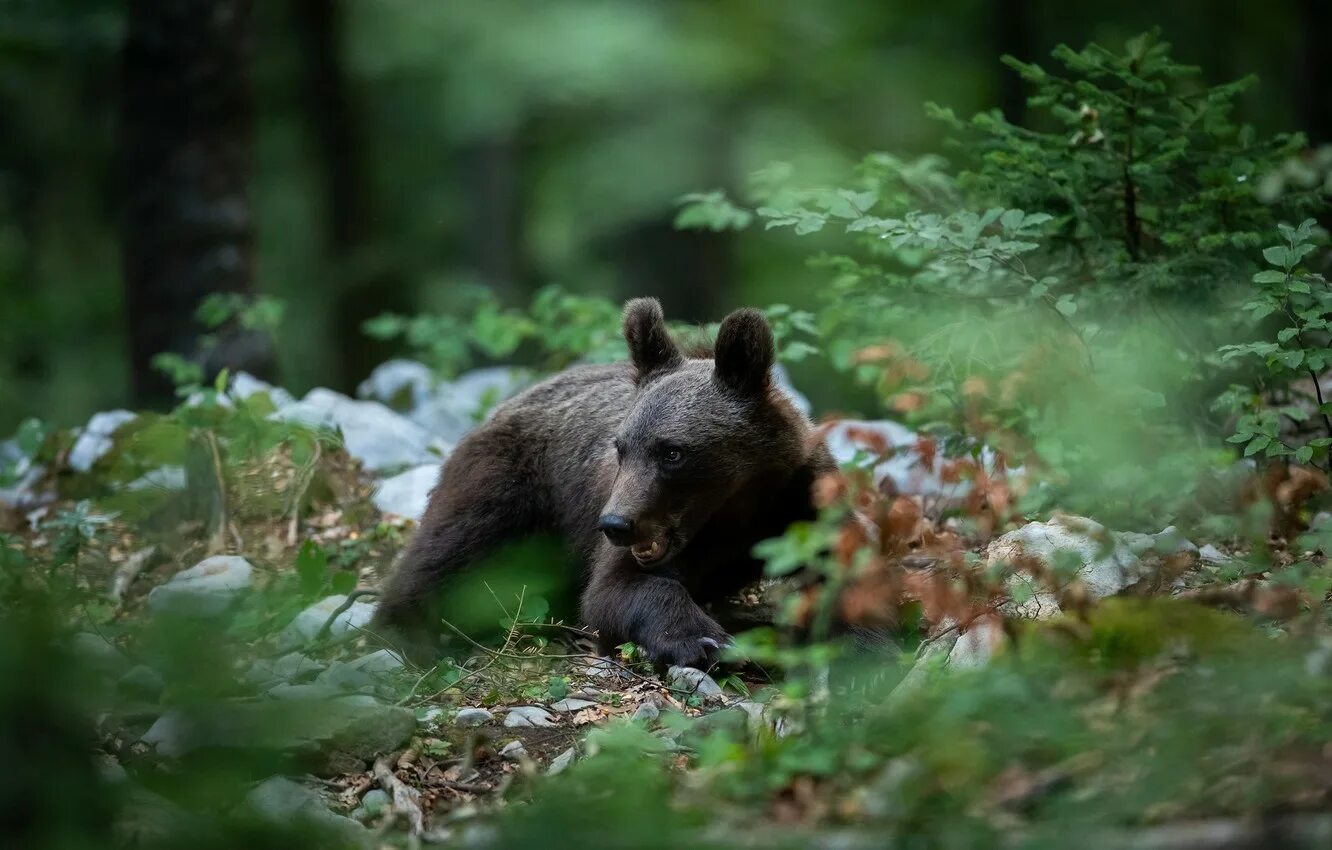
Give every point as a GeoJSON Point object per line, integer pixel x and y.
{"type": "Point", "coordinates": [1012, 32]}
{"type": "Point", "coordinates": [187, 229]}
{"type": "Point", "coordinates": [1315, 80]}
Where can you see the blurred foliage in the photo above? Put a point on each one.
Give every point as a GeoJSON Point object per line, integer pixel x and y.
{"type": "Point", "coordinates": [494, 144]}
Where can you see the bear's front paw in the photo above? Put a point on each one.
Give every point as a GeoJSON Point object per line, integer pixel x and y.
{"type": "Point", "coordinates": [700, 652]}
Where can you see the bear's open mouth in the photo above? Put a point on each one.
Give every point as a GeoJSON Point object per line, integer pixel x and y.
{"type": "Point", "coordinates": [650, 551]}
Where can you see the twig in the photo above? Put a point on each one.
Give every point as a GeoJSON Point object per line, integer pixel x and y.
{"type": "Point", "coordinates": [127, 572]}
{"type": "Point", "coordinates": [342, 609]}
{"type": "Point", "coordinates": [406, 799]}
{"type": "Point", "coordinates": [220, 535]}
{"type": "Point", "coordinates": [307, 476]}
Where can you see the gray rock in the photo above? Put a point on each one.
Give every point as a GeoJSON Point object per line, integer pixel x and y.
{"type": "Point", "coordinates": [480, 390]}
{"type": "Point", "coordinates": [371, 673]}
{"type": "Point", "coordinates": [206, 589]}
{"type": "Point", "coordinates": [372, 433]}
{"type": "Point", "coordinates": [902, 465]}
{"type": "Point", "coordinates": [378, 663]}
{"type": "Point", "coordinates": [561, 762]}
{"type": "Point", "coordinates": [694, 681]}
{"type": "Point", "coordinates": [373, 804]}
{"type": "Point", "coordinates": [292, 668]}
{"type": "Point", "coordinates": [1071, 548]}
{"type": "Point", "coordinates": [308, 691]}
{"type": "Point", "coordinates": [1166, 542]}
{"type": "Point", "coordinates": [282, 801]}
{"type": "Point", "coordinates": [244, 385]}
{"type": "Point", "coordinates": [453, 408]}
{"type": "Point", "coordinates": [976, 646]}
{"type": "Point", "coordinates": [514, 751]}
{"type": "Point", "coordinates": [97, 438]}
{"type": "Point", "coordinates": [1209, 554]}
{"type": "Point", "coordinates": [571, 704]}
{"type": "Point", "coordinates": [401, 384]}
{"type": "Point", "coordinates": [337, 735]}
{"type": "Point", "coordinates": [468, 717]}
{"type": "Point", "coordinates": [646, 713]}
{"type": "Point", "coordinates": [528, 715]}
{"type": "Point", "coordinates": [22, 476]}
{"type": "Point", "coordinates": [406, 493]}
{"type": "Point", "coordinates": [303, 630]}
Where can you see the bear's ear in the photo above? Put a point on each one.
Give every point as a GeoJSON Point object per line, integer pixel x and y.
{"type": "Point", "coordinates": [650, 345]}
{"type": "Point", "coordinates": [744, 352]}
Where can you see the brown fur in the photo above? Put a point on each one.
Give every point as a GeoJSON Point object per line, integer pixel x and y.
{"type": "Point", "coordinates": [597, 440]}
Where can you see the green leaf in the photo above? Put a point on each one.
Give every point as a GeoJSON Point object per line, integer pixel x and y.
{"type": "Point", "coordinates": [1066, 305]}
{"type": "Point", "coordinates": [343, 582]}
{"type": "Point", "coordinates": [1304, 454]}
{"type": "Point", "coordinates": [311, 567]}
{"type": "Point", "coordinates": [1269, 276]}
{"type": "Point", "coordinates": [1258, 444]}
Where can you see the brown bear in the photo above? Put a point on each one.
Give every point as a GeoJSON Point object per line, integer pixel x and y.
{"type": "Point", "coordinates": [661, 474]}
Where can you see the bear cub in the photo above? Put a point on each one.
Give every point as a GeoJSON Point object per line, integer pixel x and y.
{"type": "Point", "coordinates": [660, 474]}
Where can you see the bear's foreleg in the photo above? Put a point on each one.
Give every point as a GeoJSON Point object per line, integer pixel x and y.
{"type": "Point", "coordinates": [654, 610]}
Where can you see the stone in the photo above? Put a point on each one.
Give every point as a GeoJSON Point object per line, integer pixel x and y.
{"type": "Point", "coordinates": [372, 433]}
{"type": "Point", "coordinates": [305, 627]}
{"type": "Point", "coordinates": [977, 645]}
{"type": "Point", "coordinates": [693, 681]}
{"type": "Point", "coordinates": [561, 762]}
{"type": "Point", "coordinates": [475, 393]}
{"type": "Point", "coordinates": [469, 717]}
{"type": "Point", "coordinates": [378, 663]}
{"type": "Point", "coordinates": [902, 465]}
{"type": "Point", "coordinates": [407, 493]}
{"type": "Point", "coordinates": [338, 735]}
{"type": "Point", "coordinates": [244, 385]}
{"type": "Point", "coordinates": [571, 704]}
{"type": "Point", "coordinates": [1070, 548]}
{"type": "Point", "coordinates": [97, 438]}
{"type": "Point", "coordinates": [401, 384]}
{"type": "Point", "coordinates": [528, 715]}
{"type": "Point", "coordinates": [373, 804]}
{"type": "Point", "coordinates": [19, 477]}
{"type": "Point", "coordinates": [308, 691]}
{"type": "Point", "coordinates": [281, 801]}
{"type": "Point", "coordinates": [646, 713]}
{"type": "Point", "coordinates": [206, 589]}
{"type": "Point", "coordinates": [1209, 554]}
{"type": "Point", "coordinates": [368, 674]}
{"type": "Point", "coordinates": [292, 668]}
{"type": "Point", "coordinates": [514, 751]}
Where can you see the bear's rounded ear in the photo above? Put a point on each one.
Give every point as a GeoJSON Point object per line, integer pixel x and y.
{"type": "Point", "coordinates": [650, 345]}
{"type": "Point", "coordinates": [744, 352]}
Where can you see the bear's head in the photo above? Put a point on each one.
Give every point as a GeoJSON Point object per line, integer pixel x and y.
{"type": "Point", "coordinates": [698, 431]}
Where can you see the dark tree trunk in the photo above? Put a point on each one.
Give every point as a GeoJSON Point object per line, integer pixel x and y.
{"type": "Point", "coordinates": [187, 230]}
{"type": "Point", "coordinates": [1012, 30]}
{"type": "Point", "coordinates": [1315, 77]}
{"type": "Point", "coordinates": [359, 290]}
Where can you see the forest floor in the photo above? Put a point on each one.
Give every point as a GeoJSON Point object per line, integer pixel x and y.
{"type": "Point", "coordinates": [231, 669]}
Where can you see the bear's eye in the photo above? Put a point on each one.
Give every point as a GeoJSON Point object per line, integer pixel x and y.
{"type": "Point", "coordinates": [671, 457]}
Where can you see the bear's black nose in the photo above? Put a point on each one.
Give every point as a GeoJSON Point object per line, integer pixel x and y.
{"type": "Point", "coordinates": [618, 530]}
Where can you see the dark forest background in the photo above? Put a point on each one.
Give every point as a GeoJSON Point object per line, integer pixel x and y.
{"type": "Point", "coordinates": [350, 158]}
